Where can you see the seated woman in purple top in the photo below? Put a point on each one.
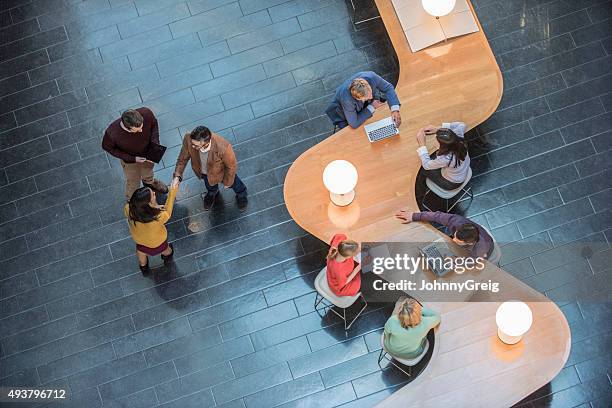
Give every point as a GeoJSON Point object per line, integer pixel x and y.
{"type": "Point", "coordinates": [463, 231]}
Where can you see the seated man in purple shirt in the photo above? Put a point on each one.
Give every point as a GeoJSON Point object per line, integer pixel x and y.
{"type": "Point", "coordinates": [463, 231]}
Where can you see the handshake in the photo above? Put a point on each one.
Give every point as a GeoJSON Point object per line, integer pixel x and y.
{"type": "Point", "coordinates": [175, 183]}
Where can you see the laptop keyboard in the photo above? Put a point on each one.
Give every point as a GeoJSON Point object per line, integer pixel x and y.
{"type": "Point", "coordinates": [382, 133]}
{"type": "Point", "coordinates": [433, 252]}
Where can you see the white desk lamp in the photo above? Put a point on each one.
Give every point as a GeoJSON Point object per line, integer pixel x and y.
{"type": "Point", "coordinates": [439, 8]}
{"type": "Point", "coordinates": [513, 320]}
{"type": "Point", "coordinates": [340, 178]}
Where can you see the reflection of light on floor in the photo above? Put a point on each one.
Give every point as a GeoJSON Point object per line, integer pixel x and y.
{"type": "Point", "coordinates": [195, 226]}
{"type": "Point", "coordinates": [506, 352]}
{"type": "Point", "coordinates": [439, 50]}
{"type": "Point", "coordinates": [343, 217]}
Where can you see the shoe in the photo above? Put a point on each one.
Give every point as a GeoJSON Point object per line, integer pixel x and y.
{"type": "Point", "coordinates": [242, 203]}
{"type": "Point", "coordinates": [168, 258]}
{"type": "Point", "coordinates": [158, 186]}
{"type": "Point", "coordinates": [145, 268]}
{"type": "Point", "coordinates": [209, 200]}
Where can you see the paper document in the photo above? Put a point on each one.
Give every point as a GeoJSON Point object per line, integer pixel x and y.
{"type": "Point", "coordinates": [422, 29]}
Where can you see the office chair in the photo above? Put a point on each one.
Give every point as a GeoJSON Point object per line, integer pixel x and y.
{"type": "Point", "coordinates": [447, 195]}
{"type": "Point", "coordinates": [329, 300]}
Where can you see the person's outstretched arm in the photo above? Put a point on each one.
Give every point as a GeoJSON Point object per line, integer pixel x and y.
{"type": "Point", "coordinates": [166, 214]}
{"type": "Point", "coordinates": [182, 159]}
{"type": "Point", "coordinates": [388, 90]}
{"type": "Point", "coordinates": [438, 217]}
{"type": "Point", "coordinates": [354, 118]}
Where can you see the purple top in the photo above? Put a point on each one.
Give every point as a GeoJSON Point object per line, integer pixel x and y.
{"type": "Point", "coordinates": [452, 222]}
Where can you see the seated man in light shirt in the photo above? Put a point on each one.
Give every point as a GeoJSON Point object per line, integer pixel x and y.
{"type": "Point", "coordinates": [358, 97]}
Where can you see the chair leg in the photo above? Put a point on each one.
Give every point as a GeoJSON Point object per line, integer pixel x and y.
{"type": "Point", "coordinates": [383, 354]}
{"type": "Point", "coordinates": [423, 200]}
{"type": "Point", "coordinates": [365, 304]}
{"type": "Point", "coordinates": [401, 369]}
{"type": "Point", "coordinates": [465, 192]}
{"type": "Point", "coordinates": [318, 299]}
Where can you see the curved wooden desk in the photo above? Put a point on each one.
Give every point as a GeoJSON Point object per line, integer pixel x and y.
{"type": "Point", "coordinates": [455, 80]}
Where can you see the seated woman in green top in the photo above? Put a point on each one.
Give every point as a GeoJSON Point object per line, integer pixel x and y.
{"type": "Point", "coordinates": [407, 328]}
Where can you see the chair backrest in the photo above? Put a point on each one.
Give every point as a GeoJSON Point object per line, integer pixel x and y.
{"type": "Point", "coordinates": [406, 361]}
{"type": "Point", "coordinates": [334, 113]}
{"type": "Point", "coordinates": [448, 194]}
{"type": "Point", "coordinates": [322, 287]}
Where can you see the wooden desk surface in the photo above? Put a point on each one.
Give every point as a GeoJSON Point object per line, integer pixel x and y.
{"type": "Point", "coordinates": [458, 80]}
{"type": "Point", "coordinates": [454, 81]}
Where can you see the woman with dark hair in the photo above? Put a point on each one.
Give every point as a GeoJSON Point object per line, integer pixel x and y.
{"type": "Point", "coordinates": [448, 166]}
{"type": "Point", "coordinates": [147, 222]}
{"type": "Point", "coordinates": [343, 275]}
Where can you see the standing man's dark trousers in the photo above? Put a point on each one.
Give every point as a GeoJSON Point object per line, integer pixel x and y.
{"type": "Point", "coordinates": [238, 187]}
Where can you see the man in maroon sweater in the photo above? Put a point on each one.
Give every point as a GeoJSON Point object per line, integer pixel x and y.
{"type": "Point", "coordinates": [128, 139]}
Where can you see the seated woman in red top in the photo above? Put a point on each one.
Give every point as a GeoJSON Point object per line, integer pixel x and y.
{"type": "Point", "coordinates": [343, 274]}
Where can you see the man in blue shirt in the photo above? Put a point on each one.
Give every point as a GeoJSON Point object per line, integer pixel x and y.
{"type": "Point", "coordinates": [359, 96]}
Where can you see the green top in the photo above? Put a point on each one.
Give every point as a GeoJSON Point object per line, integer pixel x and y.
{"type": "Point", "coordinates": [409, 343]}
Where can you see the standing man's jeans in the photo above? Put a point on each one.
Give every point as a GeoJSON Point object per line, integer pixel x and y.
{"type": "Point", "coordinates": [238, 187]}
{"type": "Point", "coordinates": [134, 173]}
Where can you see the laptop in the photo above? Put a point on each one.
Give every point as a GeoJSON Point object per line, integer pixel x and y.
{"type": "Point", "coordinates": [378, 251]}
{"type": "Point", "coordinates": [434, 251]}
{"type": "Point", "coordinates": [381, 129]}
{"type": "Point", "coordinates": [155, 152]}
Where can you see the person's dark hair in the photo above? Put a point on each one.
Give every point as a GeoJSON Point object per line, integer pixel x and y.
{"type": "Point", "coordinates": [140, 208]}
{"type": "Point", "coordinates": [201, 133]}
{"type": "Point", "coordinates": [451, 144]}
{"type": "Point", "coordinates": [468, 233]}
{"type": "Point", "coordinates": [131, 118]}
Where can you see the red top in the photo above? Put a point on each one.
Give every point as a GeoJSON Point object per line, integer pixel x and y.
{"type": "Point", "coordinates": [338, 272]}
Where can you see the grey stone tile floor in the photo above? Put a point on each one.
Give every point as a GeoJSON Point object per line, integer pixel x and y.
{"type": "Point", "coordinates": [231, 323]}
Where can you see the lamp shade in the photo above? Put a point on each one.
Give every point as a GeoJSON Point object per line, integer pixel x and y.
{"type": "Point", "coordinates": [438, 8]}
{"type": "Point", "coordinates": [340, 178]}
{"type": "Point", "coordinates": [513, 320]}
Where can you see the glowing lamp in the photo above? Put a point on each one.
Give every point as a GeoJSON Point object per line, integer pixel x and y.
{"type": "Point", "coordinates": [513, 321]}
{"type": "Point", "coordinates": [340, 178]}
{"type": "Point", "coordinates": [438, 8]}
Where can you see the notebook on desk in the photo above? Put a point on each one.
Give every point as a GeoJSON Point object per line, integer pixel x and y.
{"type": "Point", "coordinates": [422, 29]}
